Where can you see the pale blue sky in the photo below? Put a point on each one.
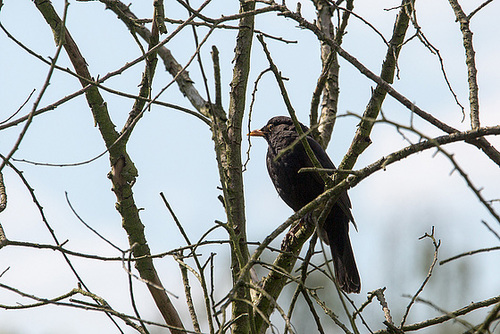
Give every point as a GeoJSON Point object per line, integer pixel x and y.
{"type": "Point", "coordinates": [174, 154]}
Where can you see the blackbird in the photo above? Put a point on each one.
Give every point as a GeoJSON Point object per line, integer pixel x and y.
{"type": "Point", "coordinates": [298, 189]}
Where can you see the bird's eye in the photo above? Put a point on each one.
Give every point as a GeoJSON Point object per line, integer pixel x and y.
{"type": "Point", "coordinates": [270, 127]}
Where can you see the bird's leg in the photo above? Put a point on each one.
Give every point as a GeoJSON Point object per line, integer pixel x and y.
{"type": "Point", "coordinates": [290, 235]}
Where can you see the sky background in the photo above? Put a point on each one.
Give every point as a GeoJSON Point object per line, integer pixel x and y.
{"type": "Point", "coordinates": [174, 155]}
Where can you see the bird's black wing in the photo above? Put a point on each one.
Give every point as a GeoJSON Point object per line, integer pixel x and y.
{"type": "Point", "coordinates": [336, 231]}
{"type": "Point", "coordinates": [343, 201]}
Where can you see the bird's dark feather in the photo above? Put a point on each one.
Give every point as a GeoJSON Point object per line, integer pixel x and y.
{"type": "Point", "coordinates": [298, 189]}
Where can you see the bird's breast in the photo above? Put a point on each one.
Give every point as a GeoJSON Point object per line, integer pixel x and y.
{"type": "Point", "coordinates": [296, 189]}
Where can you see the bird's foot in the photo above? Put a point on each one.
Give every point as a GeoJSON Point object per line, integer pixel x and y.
{"type": "Point", "coordinates": [290, 235]}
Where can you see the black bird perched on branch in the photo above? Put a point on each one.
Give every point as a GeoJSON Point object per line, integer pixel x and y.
{"type": "Point", "coordinates": [298, 189]}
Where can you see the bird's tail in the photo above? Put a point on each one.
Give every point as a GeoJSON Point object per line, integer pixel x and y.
{"type": "Point", "coordinates": [344, 264]}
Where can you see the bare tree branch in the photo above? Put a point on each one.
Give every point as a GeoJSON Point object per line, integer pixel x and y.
{"type": "Point", "coordinates": [246, 304]}
{"type": "Point", "coordinates": [470, 61]}
{"type": "Point", "coordinates": [330, 63]}
{"type": "Point", "coordinates": [436, 245]}
{"type": "Point", "coordinates": [452, 315]}
{"type": "Point", "coordinates": [362, 137]}
{"type": "Point", "coordinates": [227, 136]}
{"type": "Point", "coordinates": [59, 41]}
{"type": "Point", "coordinates": [482, 250]}
{"type": "Point", "coordinates": [481, 143]}
{"type": "Point", "coordinates": [123, 172]}
{"type": "Point", "coordinates": [3, 194]}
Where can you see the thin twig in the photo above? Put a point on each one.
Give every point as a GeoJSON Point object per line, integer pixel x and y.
{"type": "Point", "coordinates": [212, 290]}
{"type": "Point", "coordinates": [491, 229]}
{"type": "Point", "coordinates": [150, 284]}
{"type": "Point", "coordinates": [20, 108]}
{"type": "Point", "coordinates": [299, 289]}
{"type": "Point", "coordinates": [102, 306]}
{"type": "Point", "coordinates": [437, 143]}
{"type": "Point", "coordinates": [291, 111]}
{"type": "Point", "coordinates": [220, 26]}
{"type": "Point", "coordinates": [477, 251]}
{"type": "Point", "coordinates": [436, 245]}
{"type": "Point", "coordinates": [329, 312]}
{"type": "Point", "coordinates": [200, 275]}
{"type": "Point", "coordinates": [200, 62]}
{"type": "Point", "coordinates": [452, 315]}
{"type": "Point", "coordinates": [481, 6]}
{"type": "Point", "coordinates": [439, 309]}
{"type": "Point", "coordinates": [481, 143]}
{"type": "Point", "coordinates": [13, 243]}
{"type": "Point", "coordinates": [492, 316]}
{"type": "Point", "coordinates": [41, 94]}
{"type": "Point", "coordinates": [421, 36]}
{"type": "Point", "coordinates": [379, 293]}
{"type": "Point", "coordinates": [132, 298]}
{"type": "Point", "coordinates": [90, 227]}
{"type": "Point", "coordinates": [187, 290]}
{"type": "Point", "coordinates": [250, 112]}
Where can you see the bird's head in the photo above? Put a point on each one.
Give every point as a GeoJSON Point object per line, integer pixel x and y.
{"type": "Point", "coordinates": [279, 124]}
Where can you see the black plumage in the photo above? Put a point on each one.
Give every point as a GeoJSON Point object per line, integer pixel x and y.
{"type": "Point", "coordinates": [298, 189]}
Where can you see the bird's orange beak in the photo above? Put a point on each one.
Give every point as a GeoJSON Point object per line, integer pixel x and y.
{"type": "Point", "coordinates": [256, 133]}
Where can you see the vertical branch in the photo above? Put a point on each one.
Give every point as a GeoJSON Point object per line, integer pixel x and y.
{"type": "Point", "coordinates": [187, 290]}
{"type": "Point", "coordinates": [470, 61]}
{"type": "Point", "coordinates": [227, 139]}
{"type": "Point", "coordinates": [147, 77]}
{"type": "Point", "coordinates": [3, 194]}
{"type": "Point", "coordinates": [331, 88]}
{"type": "Point", "coordinates": [330, 63]}
{"type": "Point", "coordinates": [3, 205]}
{"type": "Point", "coordinates": [362, 138]}
{"type": "Point", "coordinates": [320, 85]}
{"type": "Point", "coordinates": [159, 16]}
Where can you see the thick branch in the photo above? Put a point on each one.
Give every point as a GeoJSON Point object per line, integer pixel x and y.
{"type": "Point", "coordinates": [227, 138]}
{"type": "Point", "coordinates": [122, 175]}
{"type": "Point", "coordinates": [362, 138]}
{"type": "Point", "coordinates": [147, 77]}
{"type": "Point", "coordinates": [275, 281]}
{"type": "Point", "coordinates": [329, 59]}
